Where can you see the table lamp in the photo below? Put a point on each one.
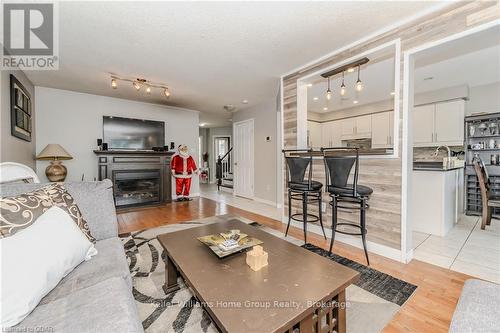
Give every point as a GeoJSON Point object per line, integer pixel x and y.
{"type": "Point", "coordinates": [56, 171]}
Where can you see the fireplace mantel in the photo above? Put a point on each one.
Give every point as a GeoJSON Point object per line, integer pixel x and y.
{"type": "Point", "coordinates": [127, 169]}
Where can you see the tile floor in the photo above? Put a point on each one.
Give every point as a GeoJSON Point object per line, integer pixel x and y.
{"type": "Point", "coordinates": [209, 191]}
{"type": "Point", "coordinates": [466, 248]}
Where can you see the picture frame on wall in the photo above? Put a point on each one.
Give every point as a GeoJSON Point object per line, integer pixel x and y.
{"type": "Point", "coordinates": [20, 110]}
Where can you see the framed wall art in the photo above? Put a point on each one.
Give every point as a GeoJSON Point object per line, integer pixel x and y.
{"type": "Point", "coordinates": [20, 110]}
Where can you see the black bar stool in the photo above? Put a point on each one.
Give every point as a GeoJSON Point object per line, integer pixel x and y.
{"type": "Point", "coordinates": [299, 188]}
{"type": "Point", "coordinates": [339, 163]}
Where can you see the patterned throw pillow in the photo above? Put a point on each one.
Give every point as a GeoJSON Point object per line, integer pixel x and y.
{"type": "Point", "coordinates": [65, 201]}
{"type": "Point", "coordinates": [19, 212]}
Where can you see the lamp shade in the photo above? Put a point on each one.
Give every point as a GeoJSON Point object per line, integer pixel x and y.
{"type": "Point", "coordinates": [54, 152]}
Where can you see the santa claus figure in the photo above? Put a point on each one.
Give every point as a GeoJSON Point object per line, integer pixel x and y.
{"type": "Point", "coordinates": [183, 167]}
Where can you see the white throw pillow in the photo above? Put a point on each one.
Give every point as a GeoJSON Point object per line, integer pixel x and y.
{"type": "Point", "coordinates": [35, 259]}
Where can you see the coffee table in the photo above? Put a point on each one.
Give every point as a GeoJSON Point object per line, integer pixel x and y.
{"type": "Point", "coordinates": [298, 289]}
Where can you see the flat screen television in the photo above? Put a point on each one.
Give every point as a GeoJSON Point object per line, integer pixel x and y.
{"type": "Point", "coordinates": [133, 134]}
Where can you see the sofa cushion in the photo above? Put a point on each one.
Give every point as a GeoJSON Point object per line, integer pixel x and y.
{"type": "Point", "coordinates": [109, 262]}
{"type": "Point", "coordinates": [104, 307]}
{"type": "Point", "coordinates": [20, 211]}
{"type": "Point", "coordinates": [95, 200]}
{"type": "Point", "coordinates": [478, 308]}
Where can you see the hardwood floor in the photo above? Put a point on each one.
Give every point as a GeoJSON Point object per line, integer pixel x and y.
{"type": "Point", "coordinates": [429, 310]}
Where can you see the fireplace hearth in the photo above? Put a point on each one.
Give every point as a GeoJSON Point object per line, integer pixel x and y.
{"type": "Point", "coordinates": [139, 178]}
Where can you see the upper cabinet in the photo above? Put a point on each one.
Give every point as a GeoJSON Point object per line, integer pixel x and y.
{"type": "Point", "coordinates": [356, 128]}
{"type": "Point", "coordinates": [314, 137]}
{"type": "Point", "coordinates": [439, 124]}
{"type": "Point", "coordinates": [331, 133]}
{"type": "Point", "coordinates": [382, 129]}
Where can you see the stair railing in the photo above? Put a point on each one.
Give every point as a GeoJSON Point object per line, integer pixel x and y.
{"type": "Point", "coordinates": [223, 168]}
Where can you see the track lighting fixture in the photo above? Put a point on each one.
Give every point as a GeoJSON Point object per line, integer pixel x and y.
{"type": "Point", "coordinates": [328, 91]}
{"type": "Point", "coordinates": [359, 84]}
{"type": "Point", "coordinates": [139, 83]}
{"type": "Point", "coordinates": [350, 67]}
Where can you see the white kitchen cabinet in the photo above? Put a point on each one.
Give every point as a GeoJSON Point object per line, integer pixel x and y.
{"type": "Point", "coordinates": [331, 134]}
{"type": "Point", "coordinates": [356, 127]}
{"type": "Point", "coordinates": [363, 126]}
{"type": "Point", "coordinates": [423, 125]}
{"type": "Point", "coordinates": [314, 134]}
{"type": "Point", "coordinates": [439, 124]}
{"type": "Point", "coordinates": [449, 122]}
{"type": "Point", "coordinates": [348, 128]}
{"type": "Point", "coordinates": [382, 129]}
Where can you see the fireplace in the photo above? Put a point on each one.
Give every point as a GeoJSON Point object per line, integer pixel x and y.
{"type": "Point", "coordinates": [139, 178]}
{"type": "Point", "coordinates": [137, 187]}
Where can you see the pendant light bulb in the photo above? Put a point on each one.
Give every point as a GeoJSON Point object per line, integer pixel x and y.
{"type": "Point", "coordinates": [166, 92]}
{"type": "Point", "coordinates": [148, 90]}
{"type": "Point", "coordinates": [359, 84]}
{"type": "Point", "coordinates": [342, 86]}
{"type": "Point", "coordinates": [114, 85]}
{"type": "Point", "coordinates": [328, 91]}
{"type": "Point", "coordinates": [136, 85]}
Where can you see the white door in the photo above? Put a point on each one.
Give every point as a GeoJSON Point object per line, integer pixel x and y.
{"type": "Point", "coordinates": [381, 130]}
{"type": "Point", "coordinates": [363, 126]}
{"type": "Point", "coordinates": [423, 124]}
{"type": "Point", "coordinates": [449, 125]}
{"type": "Point", "coordinates": [243, 154]}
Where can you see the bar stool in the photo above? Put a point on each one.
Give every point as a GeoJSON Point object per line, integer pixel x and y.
{"type": "Point", "coordinates": [299, 188]}
{"type": "Point", "coordinates": [339, 163]}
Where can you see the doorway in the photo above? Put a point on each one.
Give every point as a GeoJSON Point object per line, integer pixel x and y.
{"type": "Point", "coordinates": [243, 132]}
{"type": "Point", "coordinates": [450, 84]}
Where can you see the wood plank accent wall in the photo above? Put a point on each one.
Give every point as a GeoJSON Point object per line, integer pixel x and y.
{"type": "Point", "coordinates": [383, 175]}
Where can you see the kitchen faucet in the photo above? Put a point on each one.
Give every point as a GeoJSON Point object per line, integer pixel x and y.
{"type": "Point", "coordinates": [436, 153]}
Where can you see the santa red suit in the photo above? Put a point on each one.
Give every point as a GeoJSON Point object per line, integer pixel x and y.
{"type": "Point", "coordinates": [183, 167]}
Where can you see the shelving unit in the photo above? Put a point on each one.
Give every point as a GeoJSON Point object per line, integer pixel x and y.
{"type": "Point", "coordinates": [473, 192]}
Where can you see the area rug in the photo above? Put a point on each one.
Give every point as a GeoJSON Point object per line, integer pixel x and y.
{"type": "Point", "coordinates": [372, 302]}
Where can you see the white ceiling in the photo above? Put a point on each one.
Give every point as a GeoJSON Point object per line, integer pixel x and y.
{"type": "Point", "coordinates": [209, 53]}
{"type": "Point", "coordinates": [471, 61]}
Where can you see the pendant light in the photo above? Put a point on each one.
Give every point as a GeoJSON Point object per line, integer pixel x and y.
{"type": "Point", "coordinates": [359, 84]}
{"type": "Point", "coordinates": [328, 91]}
{"type": "Point", "coordinates": [114, 85]}
{"type": "Point", "coordinates": [148, 90]}
{"type": "Point", "coordinates": [342, 86]}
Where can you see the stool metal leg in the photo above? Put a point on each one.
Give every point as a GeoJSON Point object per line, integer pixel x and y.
{"type": "Point", "coordinates": [334, 222]}
{"type": "Point", "coordinates": [289, 212]}
{"type": "Point", "coordinates": [304, 214]}
{"type": "Point", "coordinates": [321, 214]}
{"type": "Point", "coordinates": [363, 228]}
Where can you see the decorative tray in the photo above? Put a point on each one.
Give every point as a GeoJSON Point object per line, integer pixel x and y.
{"type": "Point", "coordinates": [229, 242]}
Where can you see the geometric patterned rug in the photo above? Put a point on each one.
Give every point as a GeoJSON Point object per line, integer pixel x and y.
{"type": "Point", "coordinates": [373, 301]}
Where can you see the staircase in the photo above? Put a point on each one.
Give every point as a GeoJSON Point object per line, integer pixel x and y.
{"type": "Point", "coordinates": [223, 171]}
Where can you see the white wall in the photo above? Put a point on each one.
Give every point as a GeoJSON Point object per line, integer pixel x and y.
{"type": "Point", "coordinates": [74, 120]}
{"type": "Point", "coordinates": [266, 153]}
{"type": "Point", "coordinates": [485, 98]}
{"type": "Point", "coordinates": [14, 149]}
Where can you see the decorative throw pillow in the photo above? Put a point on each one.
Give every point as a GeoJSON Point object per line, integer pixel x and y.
{"type": "Point", "coordinates": [19, 212]}
{"type": "Point", "coordinates": [62, 199]}
{"type": "Point", "coordinates": [34, 261]}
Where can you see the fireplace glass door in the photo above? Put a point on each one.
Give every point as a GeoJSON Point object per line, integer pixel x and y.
{"type": "Point", "coordinates": [136, 187]}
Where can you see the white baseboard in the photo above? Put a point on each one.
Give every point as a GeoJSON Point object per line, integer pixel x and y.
{"type": "Point", "coordinates": [355, 241]}
{"type": "Point", "coordinates": [267, 202]}
{"type": "Point", "coordinates": [408, 257]}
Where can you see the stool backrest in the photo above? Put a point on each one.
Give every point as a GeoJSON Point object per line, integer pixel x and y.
{"type": "Point", "coordinates": [339, 163]}
{"type": "Point", "coordinates": [297, 166]}
{"type": "Point", "coordinates": [482, 176]}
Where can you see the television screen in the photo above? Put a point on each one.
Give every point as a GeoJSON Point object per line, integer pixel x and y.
{"type": "Point", "coordinates": [137, 134]}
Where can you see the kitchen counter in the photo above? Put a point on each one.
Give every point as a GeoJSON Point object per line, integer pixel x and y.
{"type": "Point", "coordinates": [431, 168]}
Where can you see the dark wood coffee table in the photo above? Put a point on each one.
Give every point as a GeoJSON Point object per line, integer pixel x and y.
{"type": "Point", "coordinates": [297, 289]}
